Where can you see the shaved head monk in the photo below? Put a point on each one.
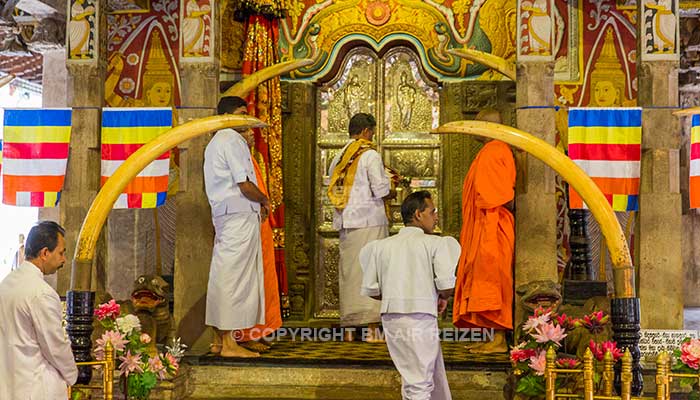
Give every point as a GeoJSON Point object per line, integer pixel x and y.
{"type": "Point", "coordinates": [484, 288]}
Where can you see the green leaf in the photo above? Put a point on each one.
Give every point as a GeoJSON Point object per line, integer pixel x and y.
{"type": "Point", "coordinates": [531, 385]}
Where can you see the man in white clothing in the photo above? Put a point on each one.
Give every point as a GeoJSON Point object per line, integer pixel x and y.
{"type": "Point", "coordinates": [235, 293]}
{"type": "Point", "coordinates": [35, 353]}
{"type": "Point", "coordinates": [413, 274]}
{"type": "Point", "coordinates": [357, 189]}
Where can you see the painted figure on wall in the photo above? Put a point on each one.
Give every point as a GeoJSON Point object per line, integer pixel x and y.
{"type": "Point", "coordinates": [194, 28]}
{"type": "Point", "coordinates": [607, 78]}
{"type": "Point", "coordinates": [405, 98]}
{"type": "Point", "coordinates": [157, 79]}
{"type": "Point", "coordinates": [663, 25]}
{"type": "Point", "coordinates": [79, 29]}
{"type": "Point", "coordinates": [539, 27]}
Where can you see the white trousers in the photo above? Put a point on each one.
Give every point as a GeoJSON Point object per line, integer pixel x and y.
{"type": "Point", "coordinates": [414, 346]}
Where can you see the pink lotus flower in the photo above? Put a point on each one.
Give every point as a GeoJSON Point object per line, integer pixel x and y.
{"type": "Point", "coordinates": [568, 363]}
{"type": "Point", "coordinates": [536, 321]}
{"type": "Point", "coordinates": [599, 350]}
{"type": "Point", "coordinates": [174, 364]}
{"type": "Point", "coordinates": [566, 322]}
{"type": "Point", "coordinates": [538, 362]}
{"type": "Point", "coordinates": [130, 363]}
{"type": "Point", "coordinates": [115, 338]}
{"type": "Point", "coordinates": [156, 366]}
{"type": "Point", "coordinates": [539, 311]}
{"type": "Point", "coordinates": [518, 353]}
{"type": "Point", "coordinates": [145, 338]}
{"type": "Point", "coordinates": [549, 333]}
{"type": "Point", "coordinates": [690, 353]}
{"type": "Point", "coordinates": [107, 310]}
{"type": "Point", "coordinates": [595, 322]}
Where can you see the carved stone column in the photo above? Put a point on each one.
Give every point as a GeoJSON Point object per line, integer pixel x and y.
{"type": "Point", "coordinates": [298, 143]}
{"type": "Point", "coordinates": [195, 234]}
{"type": "Point", "coordinates": [85, 91]}
{"type": "Point", "coordinates": [659, 226]}
{"type": "Point", "coordinates": [535, 201]}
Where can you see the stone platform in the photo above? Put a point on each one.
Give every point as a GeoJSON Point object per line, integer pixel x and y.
{"type": "Point", "coordinates": [337, 371]}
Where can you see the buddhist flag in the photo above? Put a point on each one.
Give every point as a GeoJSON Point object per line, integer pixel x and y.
{"type": "Point", "coordinates": [606, 143]}
{"type": "Point", "coordinates": [695, 163]}
{"type": "Point", "coordinates": [35, 155]}
{"type": "Point", "coordinates": [125, 130]}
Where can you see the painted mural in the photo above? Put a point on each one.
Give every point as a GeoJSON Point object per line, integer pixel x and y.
{"type": "Point", "coordinates": [320, 30]}
{"type": "Point", "coordinates": [82, 35]}
{"type": "Point", "coordinates": [536, 20]}
{"type": "Point", "coordinates": [196, 29]}
{"type": "Point", "coordinates": [143, 55]}
{"type": "Point", "coordinates": [660, 39]}
{"type": "Point", "coordinates": [607, 56]}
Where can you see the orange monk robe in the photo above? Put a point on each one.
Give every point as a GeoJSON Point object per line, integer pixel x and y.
{"type": "Point", "coordinates": [484, 287]}
{"type": "Point", "coordinates": [273, 319]}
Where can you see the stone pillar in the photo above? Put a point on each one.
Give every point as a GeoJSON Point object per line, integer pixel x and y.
{"type": "Point", "coordinates": [535, 202]}
{"type": "Point", "coordinates": [85, 88]}
{"type": "Point", "coordinates": [53, 93]}
{"type": "Point", "coordinates": [659, 226]}
{"type": "Point", "coordinates": [195, 233]}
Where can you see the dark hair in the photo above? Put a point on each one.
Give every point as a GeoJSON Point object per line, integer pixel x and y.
{"type": "Point", "coordinates": [413, 202]}
{"type": "Point", "coordinates": [360, 121]}
{"type": "Point", "coordinates": [229, 104]}
{"type": "Point", "coordinates": [43, 234]}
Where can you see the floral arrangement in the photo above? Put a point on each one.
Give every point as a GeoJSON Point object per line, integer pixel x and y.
{"type": "Point", "coordinates": [137, 358]}
{"type": "Point", "coordinates": [687, 361]}
{"type": "Point", "coordinates": [545, 329]}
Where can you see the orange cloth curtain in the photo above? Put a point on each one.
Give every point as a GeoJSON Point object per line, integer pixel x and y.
{"type": "Point", "coordinates": [265, 103]}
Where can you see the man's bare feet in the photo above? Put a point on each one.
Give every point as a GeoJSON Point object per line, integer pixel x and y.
{"type": "Point", "coordinates": [254, 346]}
{"type": "Point", "coordinates": [497, 345]}
{"type": "Point", "coordinates": [374, 335]}
{"type": "Point", "coordinates": [232, 349]}
{"type": "Point", "coordinates": [215, 347]}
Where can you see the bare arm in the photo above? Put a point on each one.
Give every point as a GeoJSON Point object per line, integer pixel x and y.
{"type": "Point", "coordinates": [252, 193]}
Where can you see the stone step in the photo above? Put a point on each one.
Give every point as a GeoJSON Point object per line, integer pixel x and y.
{"type": "Point", "coordinates": [280, 382]}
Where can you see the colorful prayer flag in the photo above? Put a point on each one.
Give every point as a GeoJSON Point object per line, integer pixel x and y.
{"type": "Point", "coordinates": [607, 144]}
{"type": "Point", "coordinates": [125, 130]}
{"type": "Point", "coordinates": [695, 162]}
{"type": "Point", "coordinates": [35, 155]}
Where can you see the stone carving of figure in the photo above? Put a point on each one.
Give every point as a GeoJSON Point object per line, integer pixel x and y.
{"type": "Point", "coordinates": [405, 97]}
{"type": "Point", "coordinates": [79, 29]}
{"type": "Point", "coordinates": [539, 26]}
{"type": "Point", "coordinates": [354, 96]}
{"type": "Point", "coordinates": [193, 27]}
{"type": "Point", "coordinates": [663, 25]}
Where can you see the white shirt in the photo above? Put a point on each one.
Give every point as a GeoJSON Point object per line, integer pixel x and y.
{"type": "Point", "coordinates": [35, 354]}
{"type": "Point", "coordinates": [408, 269]}
{"type": "Point", "coordinates": [227, 162]}
{"type": "Point", "coordinates": [365, 206]}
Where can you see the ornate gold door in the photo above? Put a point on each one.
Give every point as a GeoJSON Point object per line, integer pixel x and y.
{"type": "Point", "coordinates": [406, 105]}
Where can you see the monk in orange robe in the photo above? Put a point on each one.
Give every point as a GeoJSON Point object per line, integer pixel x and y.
{"type": "Point", "coordinates": [273, 318]}
{"type": "Point", "coordinates": [484, 289]}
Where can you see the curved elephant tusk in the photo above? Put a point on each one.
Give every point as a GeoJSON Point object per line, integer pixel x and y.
{"type": "Point", "coordinates": [242, 88]}
{"type": "Point", "coordinates": [497, 63]}
{"type": "Point", "coordinates": [687, 111]}
{"type": "Point", "coordinates": [6, 79]}
{"type": "Point", "coordinates": [113, 187]}
{"type": "Point", "coordinates": [623, 270]}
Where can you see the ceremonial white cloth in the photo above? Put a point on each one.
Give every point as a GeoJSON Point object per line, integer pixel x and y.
{"type": "Point", "coordinates": [227, 162]}
{"type": "Point", "coordinates": [356, 309]}
{"type": "Point", "coordinates": [365, 206]}
{"type": "Point", "coordinates": [235, 293]}
{"type": "Point", "coordinates": [414, 346]}
{"type": "Point", "coordinates": [408, 269]}
{"type": "Point", "coordinates": [35, 354]}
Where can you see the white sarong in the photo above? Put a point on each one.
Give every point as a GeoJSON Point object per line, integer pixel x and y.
{"type": "Point", "coordinates": [235, 293]}
{"type": "Point", "coordinates": [414, 346]}
{"type": "Point", "coordinates": [356, 309]}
